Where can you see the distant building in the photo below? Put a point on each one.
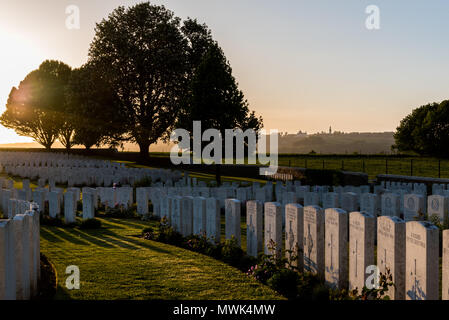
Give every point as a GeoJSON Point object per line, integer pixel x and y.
{"type": "Point", "coordinates": [301, 134]}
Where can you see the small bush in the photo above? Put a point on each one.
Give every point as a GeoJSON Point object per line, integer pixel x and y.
{"type": "Point", "coordinates": [145, 182]}
{"type": "Point", "coordinates": [119, 211]}
{"type": "Point", "coordinates": [49, 221]}
{"type": "Point", "coordinates": [285, 281]}
{"type": "Point", "coordinates": [90, 224]}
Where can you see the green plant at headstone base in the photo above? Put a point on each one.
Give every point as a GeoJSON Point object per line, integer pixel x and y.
{"type": "Point", "coordinates": [119, 211]}
{"type": "Point", "coordinates": [375, 293]}
{"type": "Point", "coordinates": [167, 234]}
{"type": "Point", "coordinates": [145, 182]}
{"type": "Point", "coordinates": [90, 224]}
{"type": "Point", "coordinates": [46, 220]}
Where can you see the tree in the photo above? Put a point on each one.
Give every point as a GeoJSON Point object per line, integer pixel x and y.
{"type": "Point", "coordinates": [142, 54]}
{"type": "Point", "coordinates": [425, 131]}
{"type": "Point", "coordinates": [93, 108]}
{"type": "Point", "coordinates": [36, 107]}
{"type": "Point", "coordinates": [213, 97]}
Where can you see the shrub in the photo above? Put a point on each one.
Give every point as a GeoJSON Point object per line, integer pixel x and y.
{"type": "Point", "coordinates": [148, 234]}
{"type": "Point", "coordinates": [285, 281]}
{"type": "Point", "coordinates": [145, 182]}
{"type": "Point", "coordinates": [49, 221]}
{"type": "Point", "coordinates": [232, 253]}
{"type": "Point", "coordinates": [119, 211]}
{"type": "Point", "coordinates": [90, 224]}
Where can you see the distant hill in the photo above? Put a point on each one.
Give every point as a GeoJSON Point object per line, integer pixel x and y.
{"type": "Point", "coordinates": [337, 143]}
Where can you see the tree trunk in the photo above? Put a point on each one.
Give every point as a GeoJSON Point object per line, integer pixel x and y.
{"type": "Point", "coordinates": [144, 151]}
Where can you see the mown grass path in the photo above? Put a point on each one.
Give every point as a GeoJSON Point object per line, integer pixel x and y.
{"type": "Point", "coordinates": [115, 263]}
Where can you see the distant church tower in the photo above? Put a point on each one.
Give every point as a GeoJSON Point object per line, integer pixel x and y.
{"type": "Point", "coordinates": [330, 130]}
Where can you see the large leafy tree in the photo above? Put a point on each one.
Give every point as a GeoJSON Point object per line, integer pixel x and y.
{"type": "Point", "coordinates": [92, 106]}
{"type": "Point", "coordinates": [142, 54]}
{"type": "Point", "coordinates": [425, 131]}
{"type": "Point", "coordinates": [213, 97]}
{"type": "Point", "coordinates": [36, 107]}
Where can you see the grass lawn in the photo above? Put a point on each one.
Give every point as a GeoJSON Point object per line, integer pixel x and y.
{"type": "Point", "coordinates": [115, 264]}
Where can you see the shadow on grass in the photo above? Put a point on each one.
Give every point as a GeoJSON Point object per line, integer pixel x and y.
{"type": "Point", "coordinates": [60, 235]}
{"type": "Point", "coordinates": [100, 237]}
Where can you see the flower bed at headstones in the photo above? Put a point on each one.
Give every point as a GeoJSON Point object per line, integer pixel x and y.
{"type": "Point", "coordinates": [277, 272]}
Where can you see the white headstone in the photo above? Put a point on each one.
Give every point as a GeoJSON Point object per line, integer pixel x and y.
{"type": "Point", "coordinates": [314, 240]}
{"type": "Point", "coordinates": [273, 228]}
{"type": "Point", "coordinates": [254, 227]}
{"type": "Point", "coordinates": [232, 217]}
{"type": "Point", "coordinates": [361, 248]}
{"type": "Point", "coordinates": [391, 253]}
{"type": "Point", "coordinates": [199, 215]}
{"type": "Point", "coordinates": [294, 229]}
{"type": "Point", "coordinates": [421, 261]}
{"type": "Point", "coordinates": [213, 222]}
{"type": "Point", "coordinates": [336, 252]}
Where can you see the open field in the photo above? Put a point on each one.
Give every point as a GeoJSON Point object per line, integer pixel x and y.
{"type": "Point", "coordinates": [372, 165]}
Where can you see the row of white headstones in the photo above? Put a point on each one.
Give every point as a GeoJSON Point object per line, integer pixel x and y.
{"type": "Point", "coordinates": [324, 241]}
{"type": "Point", "coordinates": [20, 256]}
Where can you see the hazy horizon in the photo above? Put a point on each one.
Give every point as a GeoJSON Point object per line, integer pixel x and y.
{"type": "Point", "coordinates": [303, 65]}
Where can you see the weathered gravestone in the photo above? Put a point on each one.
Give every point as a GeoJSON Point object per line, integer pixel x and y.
{"type": "Point", "coordinates": [232, 217]}
{"type": "Point", "coordinates": [273, 228]}
{"type": "Point", "coordinates": [199, 215]}
{"type": "Point", "coordinates": [330, 200]}
{"type": "Point", "coordinates": [88, 206]}
{"type": "Point", "coordinates": [186, 216]}
{"type": "Point", "coordinates": [69, 208]}
{"type": "Point", "coordinates": [336, 249]}
{"type": "Point", "coordinates": [349, 202]}
{"type": "Point", "coordinates": [7, 261]}
{"type": "Point", "coordinates": [176, 213]}
{"type": "Point", "coordinates": [421, 261]}
{"type": "Point", "coordinates": [294, 229]}
{"type": "Point", "coordinates": [142, 201]}
{"type": "Point", "coordinates": [22, 252]}
{"type": "Point", "coordinates": [54, 205]}
{"type": "Point", "coordinates": [314, 240]}
{"type": "Point", "coordinates": [414, 206]}
{"type": "Point", "coordinates": [361, 248]}
{"type": "Point", "coordinates": [369, 203]}
{"type": "Point", "coordinates": [213, 222]}
{"type": "Point", "coordinates": [445, 266]}
{"type": "Point", "coordinates": [254, 227]}
{"type": "Point", "coordinates": [390, 205]}
{"type": "Point", "coordinates": [439, 206]}
{"type": "Point", "coordinates": [311, 199]}
{"type": "Point", "coordinates": [391, 253]}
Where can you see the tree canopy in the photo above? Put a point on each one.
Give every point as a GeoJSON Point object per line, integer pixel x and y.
{"type": "Point", "coordinates": [36, 108]}
{"type": "Point", "coordinates": [425, 131]}
{"type": "Point", "coordinates": [142, 53]}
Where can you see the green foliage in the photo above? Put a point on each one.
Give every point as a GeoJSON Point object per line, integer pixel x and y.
{"type": "Point", "coordinates": [37, 107]}
{"type": "Point", "coordinates": [425, 130]}
{"type": "Point", "coordinates": [90, 224]}
{"type": "Point", "coordinates": [213, 96]}
{"type": "Point", "coordinates": [119, 211]}
{"type": "Point", "coordinates": [141, 53]}
{"type": "Point", "coordinates": [89, 94]}
{"type": "Point", "coordinates": [380, 293]}
{"type": "Point", "coordinates": [145, 182]}
{"type": "Point", "coordinates": [285, 281]}
{"type": "Point", "coordinates": [46, 220]}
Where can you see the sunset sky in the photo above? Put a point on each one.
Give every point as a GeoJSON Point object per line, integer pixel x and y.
{"type": "Point", "coordinates": [303, 65]}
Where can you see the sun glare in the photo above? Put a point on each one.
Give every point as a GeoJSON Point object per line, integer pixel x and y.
{"type": "Point", "coordinates": [18, 57]}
